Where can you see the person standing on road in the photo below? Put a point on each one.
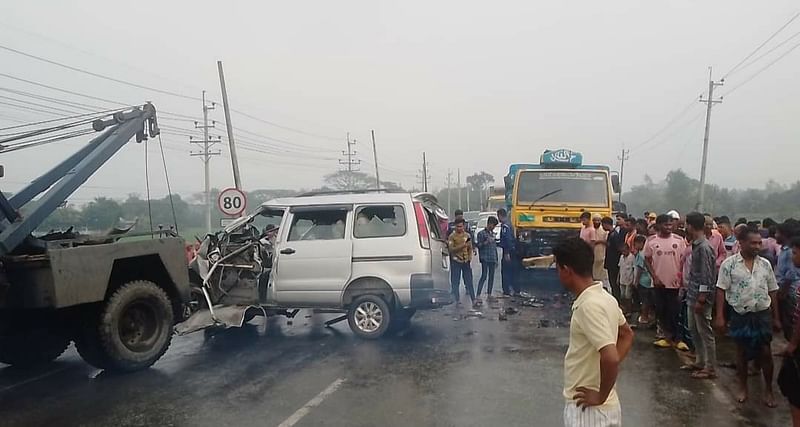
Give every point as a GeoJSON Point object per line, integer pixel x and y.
{"type": "Point", "coordinates": [644, 283]}
{"type": "Point", "coordinates": [508, 264]}
{"type": "Point", "coordinates": [699, 297]}
{"type": "Point", "coordinates": [460, 245]}
{"type": "Point", "coordinates": [630, 228]}
{"type": "Point", "coordinates": [458, 214]}
{"type": "Point", "coordinates": [487, 254]}
{"type": "Point", "coordinates": [725, 229]}
{"type": "Point", "coordinates": [789, 375]}
{"type": "Point", "coordinates": [614, 243]}
{"type": "Point", "coordinates": [747, 283]}
{"type": "Point", "coordinates": [599, 244]}
{"type": "Point", "coordinates": [787, 275]}
{"type": "Point", "coordinates": [715, 240]}
{"type": "Point", "coordinates": [627, 275]}
{"type": "Point", "coordinates": [663, 256]}
{"type": "Point", "coordinates": [599, 340]}
{"type": "Point", "coordinates": [588, 233]}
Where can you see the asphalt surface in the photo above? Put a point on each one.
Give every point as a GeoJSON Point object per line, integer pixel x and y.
{"type": "Point", "coordinates": [450, 368]}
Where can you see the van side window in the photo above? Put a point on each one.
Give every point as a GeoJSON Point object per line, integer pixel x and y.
{"type": "Point", "coordinates": [323, 224]}
{"type": "Point", "coordinates": [380, 221]}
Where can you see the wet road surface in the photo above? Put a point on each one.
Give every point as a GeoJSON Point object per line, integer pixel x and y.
{"type": "Point", "coordinates": [449, 368]}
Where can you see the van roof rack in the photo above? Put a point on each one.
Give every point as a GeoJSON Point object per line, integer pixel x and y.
{"type": "Point", "coordinates": [363, 191]}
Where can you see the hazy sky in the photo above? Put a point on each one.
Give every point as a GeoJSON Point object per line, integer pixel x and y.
{"type": "Point", "coordinates": [477, 85]}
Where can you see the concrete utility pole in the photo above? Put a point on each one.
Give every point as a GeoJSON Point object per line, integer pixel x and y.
{"type": "Point", "coordinates": [449, 180]}
{"type": "Point", "coordinates": [349, 162]}
{"type": "Point", "coordinates": [625, 155]}
{"type": "Point", "coordinates": [468, 197]}
{"type": "Point", "coordinates": [206, 152]}
{"type": "Point", "coordinates": [458, 171]}
{"type": "Point", "coordinates": [709, 102]}
{"type": "Point", "coordinates": [425, 176]}
{"type": "Point", "coordinates": [237, 180]}
{"type": "Point", "coordinates": [375, 157]}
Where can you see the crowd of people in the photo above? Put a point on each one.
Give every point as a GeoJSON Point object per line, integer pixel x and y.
{"type": "Point", "coordinates": [696, 278]}
{"type": "Point", "coordinates": [692, 278]}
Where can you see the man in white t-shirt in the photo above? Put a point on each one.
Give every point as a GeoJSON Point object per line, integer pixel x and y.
{"type": "Point", "coordinates": [599, 340]}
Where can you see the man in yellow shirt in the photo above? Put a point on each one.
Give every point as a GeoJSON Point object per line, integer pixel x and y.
{"type": "Point", "coordinates": [460, 245]}
{"type": "Point", "coordinates": [599, 339]}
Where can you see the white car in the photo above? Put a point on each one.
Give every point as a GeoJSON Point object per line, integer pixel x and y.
{"type": "Point", "coordinates": [374, 256]}
{"type": "Point", "coordinates": [483, 219]}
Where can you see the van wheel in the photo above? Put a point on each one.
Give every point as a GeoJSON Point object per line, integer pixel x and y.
{"type": "Point", "coordinates": [135, 326]}
{"type": "Point", "coordinates": [369, 316]}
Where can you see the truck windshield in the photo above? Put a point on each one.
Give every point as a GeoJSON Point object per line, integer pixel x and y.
{"type": "Point", "coordinates": [578, 187]}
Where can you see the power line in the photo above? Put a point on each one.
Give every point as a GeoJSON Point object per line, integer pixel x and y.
{"type": "Point", "coordinates": [59, 119]}
{"type": "Point", "coordinates": [765, 68]}
{"type": "Point", "coordinates": [35, 104]}
{"type": "Point", "coordinates": [98, 75]}
{"type": "Point", "coordinates": [291, 129]}
{"type": "Point", "coordinates": [677, 130]}
{"type": "Point", "coordinates": [667, 126]}
{"type": "Point", "coordinates": [37, 110]}
{"type": "Point", "coordinates": [750, 55]}
{"type": "Point", "coordinates": [47, 140]}
{"type": "Point", "coordinates": [773, 49]}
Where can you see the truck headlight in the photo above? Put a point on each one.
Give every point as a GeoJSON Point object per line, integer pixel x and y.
{"type": "Point", "coordinates": [525, 236]}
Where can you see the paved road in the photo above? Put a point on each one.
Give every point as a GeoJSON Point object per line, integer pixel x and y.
{"type": "Point", "coordinates": [448, 369]}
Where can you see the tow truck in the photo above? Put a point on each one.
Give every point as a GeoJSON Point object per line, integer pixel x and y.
{"type": "Point", "coordinates": [116, 298]}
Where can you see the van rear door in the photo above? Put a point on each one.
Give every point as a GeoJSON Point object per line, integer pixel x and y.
{"type": "Point", "coordinates": [435, 222]}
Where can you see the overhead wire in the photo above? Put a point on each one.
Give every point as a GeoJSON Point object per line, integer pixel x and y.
{"type": "Point", "coordinates": [750, 55]}
{"type": "Point", "coordinates": [57, 120]}
{"type": "Point", "coordinates": [773, 49]}
{"type": "Point", "coordinates": [153, 89]}
{"type": "Point", "coordinates": [98, 75]}
{"type": "Point", "coordinates": [669, 124]}
{"type": "Point", "coordinates": [48, 140]}
{"type": "Point", "coordinates": [765, 68]}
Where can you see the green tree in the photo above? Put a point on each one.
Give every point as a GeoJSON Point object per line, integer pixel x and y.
{"type": "Point", "coordinates": [101, 213]}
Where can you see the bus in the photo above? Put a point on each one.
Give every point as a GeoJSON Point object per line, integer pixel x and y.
{"type": "Point", "coordinates": [548, 198]}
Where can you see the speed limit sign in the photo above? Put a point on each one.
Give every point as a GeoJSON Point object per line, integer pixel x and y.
{"type": "Point", "coordinates": [232, 201]}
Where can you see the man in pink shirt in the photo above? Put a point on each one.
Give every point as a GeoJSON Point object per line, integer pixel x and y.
{"type": "Point", "coordinates": [716, 241]}
{"type": "Point", "coordinates": [588, 233]}
{"type": "Point", "coordinates": [663, 256]}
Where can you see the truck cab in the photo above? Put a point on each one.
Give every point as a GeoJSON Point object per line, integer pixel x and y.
{"type": "Point", "coordinates": [548, 198]}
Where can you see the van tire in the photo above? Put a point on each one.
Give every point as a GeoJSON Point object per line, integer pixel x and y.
{"type": "Point", "coordinates": [369, 316]}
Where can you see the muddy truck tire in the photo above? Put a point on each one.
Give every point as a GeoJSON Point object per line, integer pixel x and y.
{"type": "Point", "coordinates": [131, 331]}
{"type": "Point", "coordinates": [28, 346]}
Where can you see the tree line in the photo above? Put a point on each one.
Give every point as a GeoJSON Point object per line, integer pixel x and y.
{"type": "Point", "coordinates": [680, 192]}
{"type": "Point", "coordinates": [103, 213]}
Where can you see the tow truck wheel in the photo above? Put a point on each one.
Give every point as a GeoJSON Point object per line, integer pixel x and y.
{"type": "Point", "coordinates": [135, 326]}
{"type": "Point", "coordinates": [369, 316]}
{"type": "Point", "coordinates": [28, 347]}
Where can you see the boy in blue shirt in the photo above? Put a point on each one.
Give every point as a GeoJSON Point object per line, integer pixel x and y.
{"type": "Point", "coordinates": [487, 254]}
{"type": "Point", "coordinates": [644, 282]}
